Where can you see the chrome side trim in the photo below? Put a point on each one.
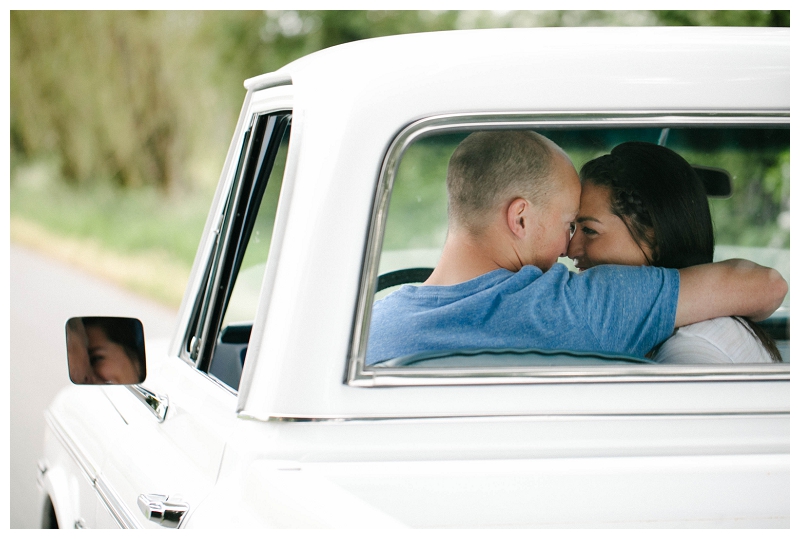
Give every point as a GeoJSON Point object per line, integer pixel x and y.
{"type": "Point", "coordinates": [117, 508]}
{"type": "Point", "coordinates": [157, 404]}
{"type": "Point", "coordinates": [72, 448]}
{"type": "Point", "coordinates": [107, 494]}
{"type": "Point", "coordinates": [468, 418]}
{"type": "Point", "coordinates": [358, 375]}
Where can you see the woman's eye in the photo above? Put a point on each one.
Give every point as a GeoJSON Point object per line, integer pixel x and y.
{"type": "Point", "coordinates": [588, 231]}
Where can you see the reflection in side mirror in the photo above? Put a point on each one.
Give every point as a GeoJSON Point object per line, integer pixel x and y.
{"type": "Point", "coordinates": [105, 350]}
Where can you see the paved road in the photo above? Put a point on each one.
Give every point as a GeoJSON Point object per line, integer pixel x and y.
{"type": "Point", "coordinates": [44, 294]}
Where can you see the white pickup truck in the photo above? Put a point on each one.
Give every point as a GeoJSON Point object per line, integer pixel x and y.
{"type": "Point", "coordinates": [261, 411]}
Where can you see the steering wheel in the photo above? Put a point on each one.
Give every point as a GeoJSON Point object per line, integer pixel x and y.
{"type": "Point", "coordinates": [403, 276]}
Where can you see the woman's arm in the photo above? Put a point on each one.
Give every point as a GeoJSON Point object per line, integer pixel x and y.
{"type": "Point", "coordinates": [729, 288]}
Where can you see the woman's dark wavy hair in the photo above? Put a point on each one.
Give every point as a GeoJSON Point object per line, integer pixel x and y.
{"type": "Point", "coordinates": [126, 332]}
{"type": "Point", "coordinates": [664, 205]}
{"type": "Point", "coordinates": [660, 199]}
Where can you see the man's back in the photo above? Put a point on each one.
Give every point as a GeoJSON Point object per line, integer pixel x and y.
{"type": "Point", "coordinates": [592, 311]}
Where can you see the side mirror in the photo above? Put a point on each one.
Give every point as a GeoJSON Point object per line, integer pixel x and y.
{"type": "Point", "coordinates": [105, 350]}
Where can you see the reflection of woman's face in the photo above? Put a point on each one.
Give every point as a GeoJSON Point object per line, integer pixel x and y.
{"type": "Point", "coordinates": [110, 362]}
{"type": "Point", "coordinates": [600, 236]}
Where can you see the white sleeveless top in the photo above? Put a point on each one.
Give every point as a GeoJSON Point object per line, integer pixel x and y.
{"type": "Point", "coordinates": [719, 340]}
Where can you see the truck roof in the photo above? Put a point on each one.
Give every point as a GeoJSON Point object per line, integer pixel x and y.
{"type": "Point", "coordinates": [703, 67]}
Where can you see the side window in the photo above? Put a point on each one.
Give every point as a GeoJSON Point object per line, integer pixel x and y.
{"type": "Point", "coordinates": [225, 311]}
{"type": "Point", "coordinates": [751, 221]}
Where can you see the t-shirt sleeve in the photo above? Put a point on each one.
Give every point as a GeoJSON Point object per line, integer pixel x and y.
{"type": "Point", "coordinates": [629, 309]}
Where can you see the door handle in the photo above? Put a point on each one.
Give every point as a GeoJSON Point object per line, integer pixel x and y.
{"type": "Point", "coordinates": [161, 510]}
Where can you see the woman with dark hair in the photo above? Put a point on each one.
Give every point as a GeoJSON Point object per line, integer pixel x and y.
{"type": "Point", "coordinates": [115, 347]}
{"type": "Point", "coordinates": [643, 204]}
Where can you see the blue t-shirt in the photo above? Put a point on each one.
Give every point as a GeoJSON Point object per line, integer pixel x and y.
{"type": "Point", "coordinates": [611, 309]}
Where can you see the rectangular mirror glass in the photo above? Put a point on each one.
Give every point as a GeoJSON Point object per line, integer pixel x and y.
{"type": "Point", "coordinates": [105, 350]}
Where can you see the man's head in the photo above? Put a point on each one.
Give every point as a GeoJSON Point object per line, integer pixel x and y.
{"type": "Point", "coordinates": [520, 182]}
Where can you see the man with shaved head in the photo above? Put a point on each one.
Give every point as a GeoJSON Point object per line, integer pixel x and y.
{"type": "Point", "coordinates": [512, 200]}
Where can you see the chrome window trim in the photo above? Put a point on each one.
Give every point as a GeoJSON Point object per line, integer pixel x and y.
{"type": "Point", "coordinates": [219, 383]}
{"type": "Point", "coordinates": [254, 106]}
{"type": "Point", "coordinates": [358, 375]}
{"type": "Point", "coordinates": [201, 264]}
{"type": "Point", "coordinates": [398, 377]}
{"type": "Point", "coordinates": [221, 230]}
{"type": "Point", "coordinates": [215, 244]}
{"type": "Point", "coordinates": [221, 252]}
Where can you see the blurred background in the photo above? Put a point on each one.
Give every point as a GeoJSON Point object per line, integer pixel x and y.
{"type": "Point", "coordinates": [119, 126]}
{"type": "Point", "coordinates": [120, 121]}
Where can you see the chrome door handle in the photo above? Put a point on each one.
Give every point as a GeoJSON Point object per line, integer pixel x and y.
{"type": "Point", "coordinates": [161, 510]}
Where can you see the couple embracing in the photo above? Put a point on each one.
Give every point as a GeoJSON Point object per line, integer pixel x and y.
{"type": "Point", "coordinates": [637, 223]}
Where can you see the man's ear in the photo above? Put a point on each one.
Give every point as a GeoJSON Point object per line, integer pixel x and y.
{"type": "Point", "coordinates": [516, 218]}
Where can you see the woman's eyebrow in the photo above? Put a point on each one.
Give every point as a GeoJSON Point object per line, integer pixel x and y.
{"type": "Point", "coordinates": [585, 218]}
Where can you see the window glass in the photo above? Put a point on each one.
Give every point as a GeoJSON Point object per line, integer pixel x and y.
{"type": "Point", "coordinates": [244, 298]}
{"type": "Point", "coordinates": [752, 223]}
{"type": "Point", "coordinates": [228, 307]}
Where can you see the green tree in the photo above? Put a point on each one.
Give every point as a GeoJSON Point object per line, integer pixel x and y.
{"type": "Point", "coordinates": [91, 87]}
{"type": "Point", "coordinates": [149, 98]}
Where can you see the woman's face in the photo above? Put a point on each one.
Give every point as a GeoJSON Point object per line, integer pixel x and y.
{"type": "Point", "coordinates": [600, 236]}
{"type": "Point", "coordinates": [110, 362]}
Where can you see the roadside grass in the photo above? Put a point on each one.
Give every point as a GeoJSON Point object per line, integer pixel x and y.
{"type": "Point", "coordinates": [141, 239]}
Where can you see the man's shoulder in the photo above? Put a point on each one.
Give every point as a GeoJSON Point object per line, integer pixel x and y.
{"type": "Point", "coordinates": [625, 274]}
{"type": "Point", "coordinates": [611, 287]}
{"type": "Point", "coordinates": [614, 269]}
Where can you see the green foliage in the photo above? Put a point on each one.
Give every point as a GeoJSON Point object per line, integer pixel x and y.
{"type": "Point", "coordinates": [122, 129]}
{"type": "Point", "coordinates": [758, 216]}
{"type": "Point", "coordinates": [133, 110]}
{"type": "Point", "coordinates": [724, 18]}
{"type": "Point", "coordinates": [149, 98]}
{"type": "Point", "coordinates": [142, 221]}
{"type": "Point", "coordinates": [755, 216]}
{"type": "Point", "coordinates": [418, 210]}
